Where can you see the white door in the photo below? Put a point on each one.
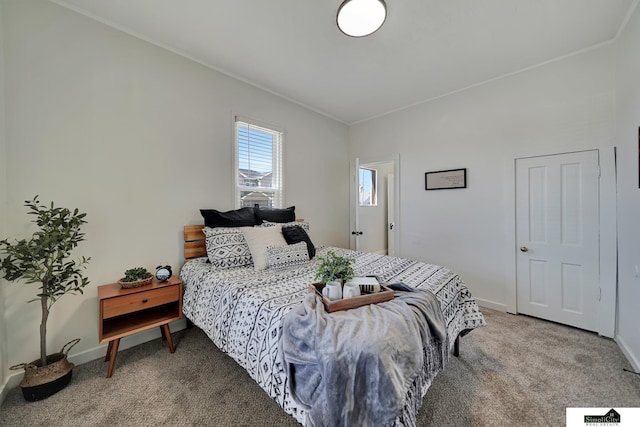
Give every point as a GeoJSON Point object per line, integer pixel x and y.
{"type": "Point", "coordinates": [369, 214]}
{"type": "Point", "coordinates": [391, 205]}
{"type": "Point", "coordinates": [557, 232]}
{"type": "Point", "coordinates": [355, 203]}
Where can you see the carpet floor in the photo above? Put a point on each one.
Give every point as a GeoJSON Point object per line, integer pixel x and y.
{"type": "Point", "coordinates": [516, 371]}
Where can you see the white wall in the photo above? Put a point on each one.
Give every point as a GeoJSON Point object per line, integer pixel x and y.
{"type": "Point", "coordinates": [566, 105]}
{"type": "Point", "coordinates": [140, 139]}
{"type": "Point", "coordinates": [628, 123]}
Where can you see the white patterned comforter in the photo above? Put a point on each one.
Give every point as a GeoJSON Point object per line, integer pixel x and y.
{"type": "Point", "coordinates": [241, 312]}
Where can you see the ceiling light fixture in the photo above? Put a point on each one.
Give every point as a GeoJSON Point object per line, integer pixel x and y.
{"type": "Point", "coordinates": [359, 18]}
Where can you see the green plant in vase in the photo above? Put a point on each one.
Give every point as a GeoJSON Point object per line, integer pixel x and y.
{"type": "Point", "coordinates": [334, 267]}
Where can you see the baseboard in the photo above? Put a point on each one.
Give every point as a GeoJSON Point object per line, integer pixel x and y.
{"type": "Point", "coordinates": [4, 389]}
{"type": "Point", "coordinates": [635, 363]}
{"type": "Point", "coordinates": [125, 343]}
{"type": "Point", "coordinates": [13, 381]}
{"type": "Point", "coordinates": [99, 352]}
{"type": "Point", "coordinates": [491, 304]}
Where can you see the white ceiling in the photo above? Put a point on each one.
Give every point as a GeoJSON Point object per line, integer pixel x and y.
{"type": "Point", "coordinates": [426, 48]}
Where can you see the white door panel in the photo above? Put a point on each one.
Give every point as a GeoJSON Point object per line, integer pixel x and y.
{"type": "Point", "coordinates": [370, 224]}
{"type": "Point", "coordinates": [391, 215]}
{"type": "Point", "coordinates": [355, 232]}
{"type": "Point", "coordinates": [557, 231]}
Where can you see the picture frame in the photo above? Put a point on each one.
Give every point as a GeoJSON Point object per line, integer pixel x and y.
{"type": "Point", "coordinates": [445, 179]}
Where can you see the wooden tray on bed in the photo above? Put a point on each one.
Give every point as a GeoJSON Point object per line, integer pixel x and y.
{"type": "Point", "coordinates": [385, 294]}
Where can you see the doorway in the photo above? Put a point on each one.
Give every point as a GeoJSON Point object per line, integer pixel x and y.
{"type": "Point", "coordinates": [374, 206]}
{"type": "Point", "coordinates": [557, 236]}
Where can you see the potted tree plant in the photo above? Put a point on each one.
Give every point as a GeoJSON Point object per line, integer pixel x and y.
{"type": "Point", "coordinates": [44, 259]}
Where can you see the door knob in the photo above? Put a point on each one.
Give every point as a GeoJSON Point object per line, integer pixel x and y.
{"type": "Point", "coordinates": [357, 233]}
{"type": "Point", "coordinates": [524, 249]}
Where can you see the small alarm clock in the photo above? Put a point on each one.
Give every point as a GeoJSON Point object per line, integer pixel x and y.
{"type": "Point", "coordinates": [163, 272]}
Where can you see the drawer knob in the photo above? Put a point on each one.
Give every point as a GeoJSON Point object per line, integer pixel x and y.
{"type": "Point", "coordinates": [144, 300]}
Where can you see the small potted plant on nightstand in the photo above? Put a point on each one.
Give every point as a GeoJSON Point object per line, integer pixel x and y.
{"type": "Point", "coordinates": [44, 259]}
{"type": "Point", "coordinates": [136, 277]}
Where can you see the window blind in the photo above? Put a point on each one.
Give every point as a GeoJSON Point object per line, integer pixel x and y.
{"type": "Point", "coordinates": [259, 171]}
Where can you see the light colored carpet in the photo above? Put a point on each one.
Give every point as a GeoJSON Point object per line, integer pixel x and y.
{"type": "Point", "coordinates": [516, 371]}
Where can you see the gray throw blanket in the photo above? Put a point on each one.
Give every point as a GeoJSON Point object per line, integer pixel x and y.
{"type": "Point", "coordinates": [354, 367]}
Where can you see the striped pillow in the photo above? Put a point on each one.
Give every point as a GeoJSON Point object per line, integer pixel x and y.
{"type": "Point", "coordinates": [280, 257]}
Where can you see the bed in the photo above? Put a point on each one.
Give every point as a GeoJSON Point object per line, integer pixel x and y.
{"type": "Point", "coordinates": [241, 310]}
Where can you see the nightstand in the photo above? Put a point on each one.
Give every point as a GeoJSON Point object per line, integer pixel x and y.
{"type": "Point", "coordinates": [126, 311]}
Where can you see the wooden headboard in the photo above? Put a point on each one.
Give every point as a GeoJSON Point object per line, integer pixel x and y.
{"type": "Point", "coordinates": [194, 246]}
{"type": "Point", "coordinates": [194, 242]}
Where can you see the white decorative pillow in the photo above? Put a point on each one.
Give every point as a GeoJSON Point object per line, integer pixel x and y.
{"type": "Point", "coordinates": [280, 257]}
{"type": "Point", "coordinates": [226, 247]}
{"type": "Point", "coordinates": [258, 238]}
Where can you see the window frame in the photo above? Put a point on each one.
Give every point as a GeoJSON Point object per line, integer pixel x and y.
{"type": "Point", "coordinates": [277, 188]}
{"type": "Point", "coordinates": [374, 187]}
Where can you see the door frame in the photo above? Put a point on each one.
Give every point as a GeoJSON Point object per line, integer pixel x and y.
{"type": "Point", "coordinates": [606, 312]}
{"type": "Point", "coordinates": [353, 195]}
{"type": "Point", "coordinates": [391, 215]}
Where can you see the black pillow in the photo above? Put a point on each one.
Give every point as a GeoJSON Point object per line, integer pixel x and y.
{"type": "Point", "coordinates": [295, 234]}
{"type": "Point", "coordinates": [275, 214]}
{"type": "Point", "coordinates": [242, 217]}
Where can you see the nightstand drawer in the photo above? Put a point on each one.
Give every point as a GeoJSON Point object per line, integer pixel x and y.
{"type": "Point", "coordinates": [139, 301]}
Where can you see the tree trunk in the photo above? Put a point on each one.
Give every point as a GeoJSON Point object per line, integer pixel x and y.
{"type": "Point", "coordinates": [43, 330]}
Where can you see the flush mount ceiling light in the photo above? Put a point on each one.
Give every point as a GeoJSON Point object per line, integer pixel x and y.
{"type": "Point", "coordinates": [359, 18]}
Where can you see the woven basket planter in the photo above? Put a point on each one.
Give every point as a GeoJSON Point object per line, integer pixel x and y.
{"type": "Point", "coordinates": [40, 382]}
{"type": "Point", "coordinates": [137, 283]}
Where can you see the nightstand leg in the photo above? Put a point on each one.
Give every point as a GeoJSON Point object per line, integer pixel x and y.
{"type": "Point", "coordinates": [112, 356]}
{"type": "Point", "coordinates": [106, 356]}
{"type": "Point", "coordinates": [166, 332]}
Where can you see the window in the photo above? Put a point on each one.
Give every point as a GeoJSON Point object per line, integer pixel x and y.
{"type": "Point", "coordinates": [258, 165]}
{"type": "Point", "coordinates": [368, 179]}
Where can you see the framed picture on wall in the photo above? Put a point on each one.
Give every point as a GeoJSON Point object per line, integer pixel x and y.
{"type": "Point", "coordinates": [445, 180]}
